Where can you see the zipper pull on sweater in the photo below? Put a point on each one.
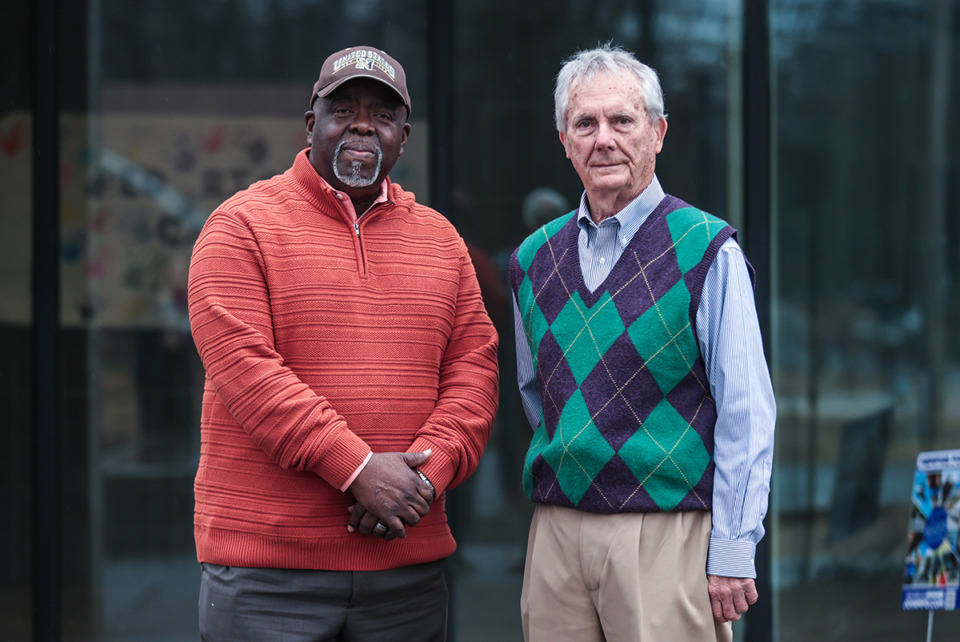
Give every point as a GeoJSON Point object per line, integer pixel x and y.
{"type": "Point", "coordinates": [356, 228]}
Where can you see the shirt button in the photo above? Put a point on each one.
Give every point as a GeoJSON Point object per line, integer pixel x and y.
{"type": "Point", "coordinates": [340, 196]}
{"type": "Point", "coordinates": [602, 260]}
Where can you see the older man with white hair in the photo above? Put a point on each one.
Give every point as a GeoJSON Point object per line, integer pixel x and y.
{"type": "Point", "coordinates": [641, 369]}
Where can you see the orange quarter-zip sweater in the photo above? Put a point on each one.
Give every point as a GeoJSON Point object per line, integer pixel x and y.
{"type": "Point", "coordinates": [324, 340]}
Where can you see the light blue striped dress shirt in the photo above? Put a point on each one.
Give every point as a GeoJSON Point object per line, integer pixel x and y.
{"type": "Point", "coordinates": [730, 342]}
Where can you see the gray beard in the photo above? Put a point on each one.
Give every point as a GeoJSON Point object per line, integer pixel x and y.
{"type": "Point", "coordinates": [355, 179]}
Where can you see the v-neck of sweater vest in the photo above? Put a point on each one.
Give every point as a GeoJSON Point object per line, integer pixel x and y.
{"type": "Point", "coordinates": [620, 272]}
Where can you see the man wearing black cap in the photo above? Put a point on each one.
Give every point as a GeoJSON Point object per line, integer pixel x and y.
{"type": "Point", "coordinates": [351, 379]}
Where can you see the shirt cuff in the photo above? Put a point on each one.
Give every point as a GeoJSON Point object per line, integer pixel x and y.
{"type": "Point", "coordinates": [729, 558]}
{"type": "Point", "coordinates": [350, 479]}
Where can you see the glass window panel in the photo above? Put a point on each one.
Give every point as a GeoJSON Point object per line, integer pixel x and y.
{"type": "Point", "coordinates": [865, 349]}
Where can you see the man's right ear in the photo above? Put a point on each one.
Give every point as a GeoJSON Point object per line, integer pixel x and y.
{"type": "Point", "coordinates": [309, 119]}
{"type": "Point", "coordinates": [563, 141]}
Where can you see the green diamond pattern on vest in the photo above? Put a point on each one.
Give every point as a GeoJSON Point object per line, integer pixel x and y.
{"type": "Point", "coordinates": [667, 456]}
{"type": "Point", "coordinates": [692, 230]}
{"type": "Point", "coordinates": [576, 474]}
{"type": "Point", "coordinates": [664, 339]}
{"type": "Point", "coordinates": [585, 334]}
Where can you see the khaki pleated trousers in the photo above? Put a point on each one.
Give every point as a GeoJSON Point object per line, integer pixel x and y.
{"type": "Point", "coordinates": [632, 577]}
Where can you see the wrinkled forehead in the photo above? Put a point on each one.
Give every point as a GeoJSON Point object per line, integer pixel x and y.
{"type": "Point", "coordinates": [605, 89]}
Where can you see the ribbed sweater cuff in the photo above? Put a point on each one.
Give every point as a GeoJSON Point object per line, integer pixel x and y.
{"type": "Point", "coordinates": [350, 479]}
{"type": "Point", "coordinates": [342, 459]}
{"type": "Point", "coordinates": [439, 469]}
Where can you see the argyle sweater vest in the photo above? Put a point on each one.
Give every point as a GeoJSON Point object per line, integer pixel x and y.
{"type": "Point", "coordinates": [627, 416]}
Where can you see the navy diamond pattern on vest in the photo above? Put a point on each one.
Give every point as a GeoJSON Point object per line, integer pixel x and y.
{"type": "Point", "coordinates": [615, 486]}
{"type": "Point", "coordinates": [655, 272]}
{"type": "Point", "coordinates": [687, 396]}
{"type": "Point", "coordinates": [555, 397]}
{"type": "Point", "coordinates": [618, 388]}
{"type": "Point", "coordinates": [555, 278]}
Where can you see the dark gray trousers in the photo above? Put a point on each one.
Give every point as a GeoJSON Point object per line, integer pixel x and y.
{"type": "Point", "coordinates": [255, 604]}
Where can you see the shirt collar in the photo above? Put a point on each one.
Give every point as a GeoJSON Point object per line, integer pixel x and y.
{"type": "Point", "coordinates": [631, 217]}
